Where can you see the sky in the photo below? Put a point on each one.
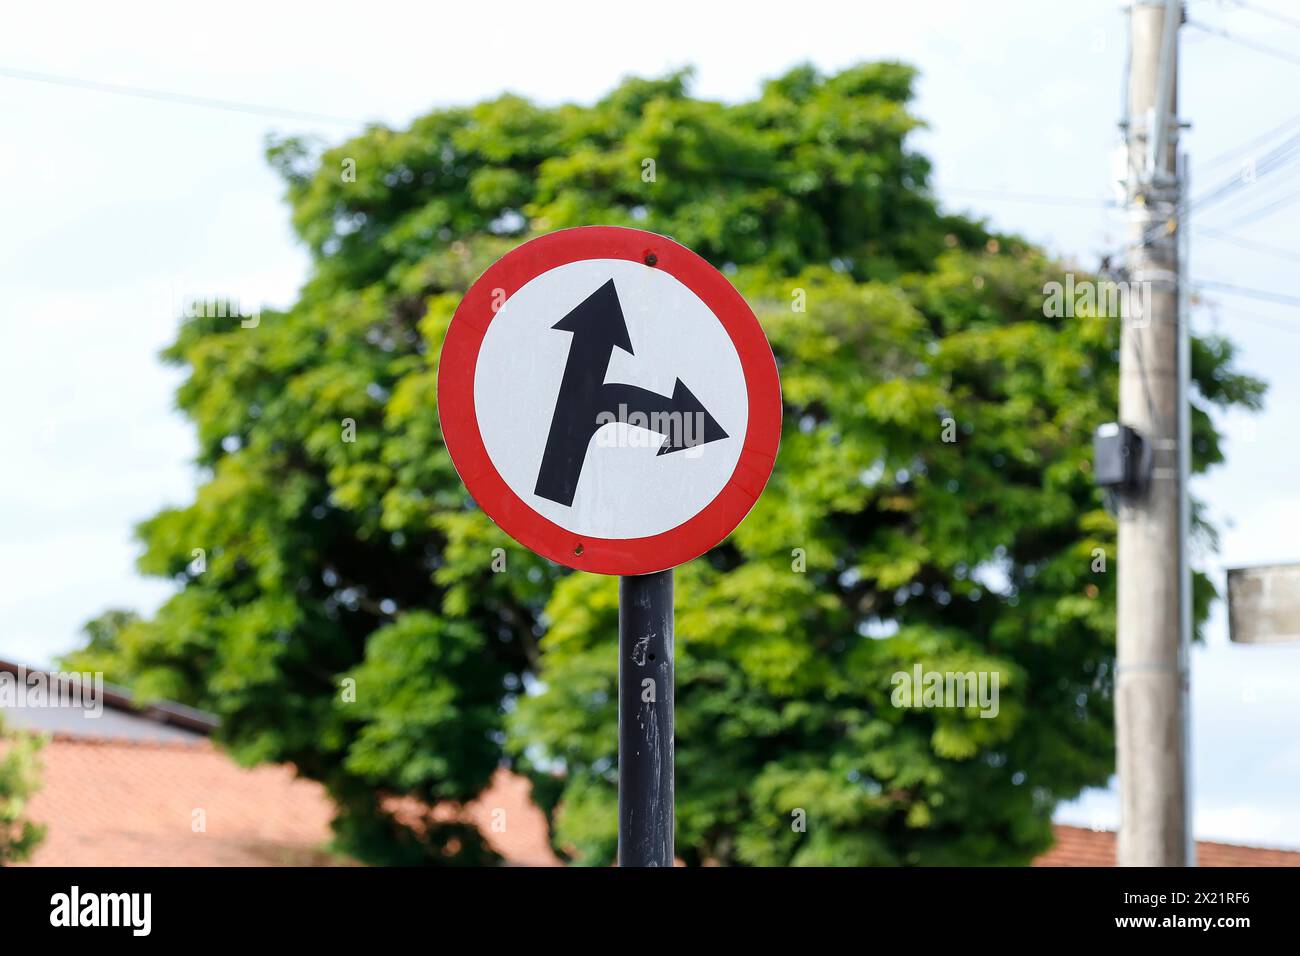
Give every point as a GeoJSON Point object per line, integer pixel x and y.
{"type": "Point", "coordinates": [117, 209]}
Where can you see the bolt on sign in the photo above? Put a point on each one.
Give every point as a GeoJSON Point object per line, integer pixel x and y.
{"type": "Point", "coordinates": [609, 400]}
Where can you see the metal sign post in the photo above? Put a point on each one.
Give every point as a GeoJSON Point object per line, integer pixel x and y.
{"type": "Point", "coordinates": [645, 719]}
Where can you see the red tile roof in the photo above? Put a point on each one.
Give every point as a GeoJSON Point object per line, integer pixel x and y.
{"type": "Point", "coordinates": [132, 803]}
{"type": "Point", "coordinates": [524, 838]}
{"type": "Point", "coordinates": [126, 803]}
{"type": "Point", "coordinates": [121, 802]}
{"type": "Point", "coordinates": [1076, 846]}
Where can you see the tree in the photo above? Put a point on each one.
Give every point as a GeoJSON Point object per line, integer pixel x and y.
{"type": "Point", "coordinates": [101, 650]}
{"type": "Point", "coordinates": [932, 502]}
{"type": "Point", "coordinates": [19, 779]}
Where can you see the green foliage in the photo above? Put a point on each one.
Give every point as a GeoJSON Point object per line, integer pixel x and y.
{"type": "Point", "coordinates": [102, 650]}
{"type": "Point", "coordinates": [932, 501]}
{"type": "Point", "coordinates": [19, 779]}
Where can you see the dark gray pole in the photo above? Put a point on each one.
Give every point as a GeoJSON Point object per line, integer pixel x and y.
{"type": "Point", "coordinates": [645, 720]}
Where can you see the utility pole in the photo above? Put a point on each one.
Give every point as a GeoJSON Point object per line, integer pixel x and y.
{"type": "Point", "coordinates": [1151, 683]}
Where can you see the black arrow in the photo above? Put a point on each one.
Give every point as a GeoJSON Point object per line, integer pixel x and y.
{"type": "Point", "coordinates": [586, 401]}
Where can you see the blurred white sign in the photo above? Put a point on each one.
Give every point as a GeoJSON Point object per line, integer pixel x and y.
{"type": "Point", "coordinates": [1264, 604]}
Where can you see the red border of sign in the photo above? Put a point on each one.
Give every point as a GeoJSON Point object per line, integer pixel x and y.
{"type": "Point", "coordinates": [464, 442]}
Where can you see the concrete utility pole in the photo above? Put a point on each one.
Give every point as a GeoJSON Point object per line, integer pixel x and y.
{"type": "Point", "coordinates": [1151, 684]}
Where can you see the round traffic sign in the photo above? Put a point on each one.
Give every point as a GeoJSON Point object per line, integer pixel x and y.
{"type": "Point", "coordinates": [609, 400]}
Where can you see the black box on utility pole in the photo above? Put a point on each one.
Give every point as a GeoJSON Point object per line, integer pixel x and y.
{"type": "Point", "coordinates": [1118, 458]}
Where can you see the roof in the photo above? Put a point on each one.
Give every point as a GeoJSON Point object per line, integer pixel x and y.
{"type": "Point", "coordinates": [160, 803]}
{"type": "Point", "coordinates": [93, 709]}
{"type": "Point", "coordinates": [116, 803]}
{"type": "Point", "coordinates": [130, 785]}
{"type": "Point", "coordinates": [129, 803]}
{"type": "Point", "coordinates": [1077, 846]}
{"type": "Point", "coordinates": [126, 789]}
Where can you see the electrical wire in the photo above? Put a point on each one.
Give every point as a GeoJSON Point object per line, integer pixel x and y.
{"type": "Point", "coordinates": [1261, 211]}
{"type": "Point", "coordinates": [1282, 325]}
{"type": "Point", "coordinates": [167, 96]}
{"type": "Point", "coordinates": [1262, 294]}
{"type": "Point", "coordinates": [1271, 14]}
{"type": "Point", "coordinates": [1251, 144]}
{"type": "Point", "coordinates": [1028, 197]}
{"type": "Point", "coordinates": [1242, 41]}
{"type": "Point", "coordinates": [254, 109]}
{"type": "Point", "coordinates": [1222, 236]}
{"type": "Point", "coordinates": [1279, 157]}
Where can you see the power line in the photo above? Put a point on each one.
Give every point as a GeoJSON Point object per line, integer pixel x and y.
{"type": "Point", "coordinates": [1265, 295]}
{"type": "Point", "coordinates": [1282, 325]}
{"type": "Point", "coordinates": [166, 96]}
{"type": "Point", "coordinates": [1261, 211]}
{"type": "Point", "coordinates": [1279, 157]}
{"type": "Point", "coordinates": [1271, 14]}
{"type": "Point", "coordinates": [1246, 243]}
{"type": "Point", "coordinates": [1028, 197]}
{"type": "Point", "coordinates": [1242, 41]}
{"type": "Point", "coordinates": [1257, 141]}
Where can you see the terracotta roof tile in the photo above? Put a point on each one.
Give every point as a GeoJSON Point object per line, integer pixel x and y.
{"type": "Point", "coordinates": [132, 802]}
{"type": "Point", "coordinates": [1076, 846]}
{"type": "Point", "coordinates": [122, 802]}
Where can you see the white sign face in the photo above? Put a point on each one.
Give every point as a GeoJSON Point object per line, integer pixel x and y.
{"type": "Point", "coordinates": [1264, 604]}
{"type": "Point", "coordinates": [609, 400]}
{"type": "Point", "coordinates": [628, 419]}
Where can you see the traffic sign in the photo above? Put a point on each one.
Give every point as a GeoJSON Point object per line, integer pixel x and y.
{"type": "Point", "coordinates": [609, 400]}
{"type": "Point", "coordinates": [1264, 604]}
